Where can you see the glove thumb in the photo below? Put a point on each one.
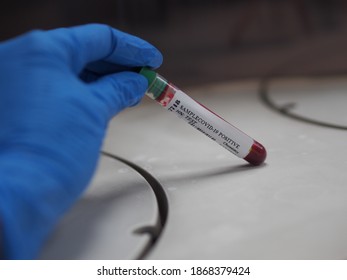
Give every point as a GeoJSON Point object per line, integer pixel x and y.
{"type": "Point", "coordinates": [118, 91]}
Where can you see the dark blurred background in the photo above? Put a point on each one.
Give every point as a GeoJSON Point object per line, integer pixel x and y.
{"type": "Point", "coordinates": [209, 41]}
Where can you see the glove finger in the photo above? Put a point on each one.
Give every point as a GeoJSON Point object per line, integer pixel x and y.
{"type": "Point", "coordinates": [95, 42]}
{"type": "Point", "coordinates": [118, 91]}
{"type": "Point", "coordinates": [89, 76]}
{"type": "Point", "coordinates": [104, 68]}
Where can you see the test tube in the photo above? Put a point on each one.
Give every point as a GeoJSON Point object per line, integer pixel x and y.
{"type": "Point", "coordinates": [203, 119]}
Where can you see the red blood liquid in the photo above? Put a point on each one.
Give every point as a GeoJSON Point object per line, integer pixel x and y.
{"type": "Point", "coordinates": [257, 154]}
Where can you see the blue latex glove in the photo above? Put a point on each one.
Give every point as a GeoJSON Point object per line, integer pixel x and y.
{"type": "Point", "coordinates": [56, 98]}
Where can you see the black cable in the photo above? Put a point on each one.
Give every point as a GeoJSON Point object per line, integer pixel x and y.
{"type": "Point", "coordinates": [285, 111]}
{"type": "Point", "coordinates": [162, 202]}
{"type": "Point", "coordinates": [275, 72]}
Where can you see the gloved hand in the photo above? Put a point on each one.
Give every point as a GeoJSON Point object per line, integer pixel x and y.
{"type": "Point", "coordinates": [58, 90]}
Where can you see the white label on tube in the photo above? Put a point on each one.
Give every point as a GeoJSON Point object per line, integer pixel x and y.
{"type": "Point", "coordinates": [210, 124]}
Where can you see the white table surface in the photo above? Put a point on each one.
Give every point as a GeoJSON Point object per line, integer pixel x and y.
{"type": "Point", "coordinates": [292, 207]}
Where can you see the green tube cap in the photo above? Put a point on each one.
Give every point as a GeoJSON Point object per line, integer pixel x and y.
{"type": "Point", "coordinates": [156, 83]}
{"type": "Point", "coordinates": [149, 74]}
